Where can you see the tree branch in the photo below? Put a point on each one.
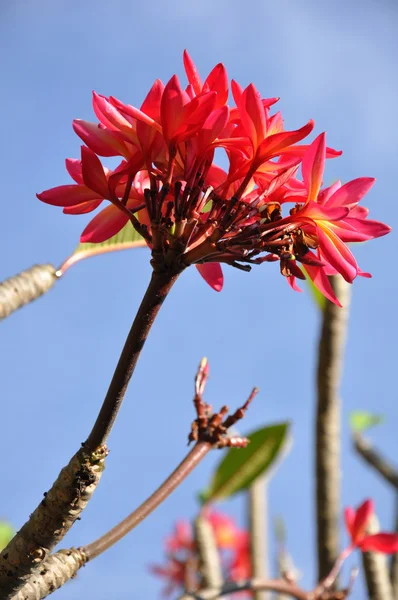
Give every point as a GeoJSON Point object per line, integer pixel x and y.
{"type": "Point", "coordinates": [76, 483]}
{"type": "Point", "coordinates": [327, 449]}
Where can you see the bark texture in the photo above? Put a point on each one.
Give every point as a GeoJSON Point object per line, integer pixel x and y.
{"type": "Point", "coordinates": [25, 287]}
{"type": "Point", "coordinates": [50, 521]}
{"type": "Point", "coordinates": [56, 570]}
{"type": "Point", "coordinates": [376, 570]}
{"type": "Point", "coordinates": [327, 450]}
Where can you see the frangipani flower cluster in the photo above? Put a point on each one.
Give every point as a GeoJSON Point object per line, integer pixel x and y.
{"type": "Point", "coordinates": [181, 570]}
{"type": "Point", "coordinates": [189, 210]}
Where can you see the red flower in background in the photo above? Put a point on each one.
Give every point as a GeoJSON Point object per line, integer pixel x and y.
{"type": "Point", "coordinates": [357, 522]}
{"type": "Point", "coordinates": [182, 562]}
{"type": "Point", "coordinates": [189, 210]}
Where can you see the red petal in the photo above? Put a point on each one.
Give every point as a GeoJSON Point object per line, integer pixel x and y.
{"type": "Point", "coordinates": [82, 209]}
{"type": "Point", "coordinates": [192, 73]}
{"type": "Point", "coordinates": [252, 114]}
{"type": "Point", "coordinates": [67, 195]}
{"type": "Point", "coordinates": [109, 116]}
{"type": "Point", "coordinates": [292, 282]}
{"type": "Point", "coordinates": [151, 104]}
{"type": "Point", "coordinates": [99, 140]}
{"type": "Point", "coordinates": [349, 515]}
{"type": "Point", "coordinates": [380, 542]}
{"type": "Point", "coordinates": [362, 516]}
{"type": "Point", "coordinates": [313, 166]}
{"type": "Point", "coordinates": [172, 107]}
{"type": "Point", "coordinates": [93, 172]}
{"type": "Point", "coordinates": [212, 274]}
{"type": "Point", "coordinates": [74, 168]}
{"type": "Point", "coordinates": [212, 127]}
{"type": "Point", "coordinates": [104, 225]}
{"type": "Point", "coordinates": [275, 144]}
{"type": "Point", "coordinates": [217, 81]}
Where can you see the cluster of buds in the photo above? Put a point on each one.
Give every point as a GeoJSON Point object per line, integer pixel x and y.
{"type": "Point", "coordinates": [214, 427]}
{"type": "Point", "coordinates": [182, 568]}
{"type": "Point", "coordinates": [189, 210]}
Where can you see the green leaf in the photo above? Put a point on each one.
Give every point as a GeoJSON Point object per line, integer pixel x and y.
{"type": "Point", "coordinates": [317, 296]}
{"type": "Point", "coordinates": [125, 239]}
{"type": "Point", "coordinates": [361, 420]}
{"type": "Point", "coordinates": [241, 466]}
{"type": "Point", "coordinates": [6, 534]}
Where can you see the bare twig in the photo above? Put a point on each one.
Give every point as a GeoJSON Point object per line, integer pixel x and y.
{"type": "Point", "coordinates": [25, 287]}
{"type": "Point", "coordinates": [374, 459]}
{"type": "Point", "coordinates": [209, 557]}
{"type": "Point", "coordinates": [327, 450]}
{"type": "Point", "coordinates": [376, 570]}
{"type": "Point", "coordinates": [279, 586]}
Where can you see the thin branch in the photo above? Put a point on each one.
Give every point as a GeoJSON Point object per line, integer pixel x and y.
{"type": "Point", "coordinates": [25, 287]}
{"type": "Point", "coordinates": [374, 459]}
{"type": "Point", "coordinates": [70, 493]}
{"type": "Point", "coordinates": [194, 457]}
{"type": "Point", "coordinates": [158, 289]}
{"type": "Point", "coordinates": [257, 509]}
{"type": "Point", "coordinates": [376, 570]}
{"type": "Point", "coordinates": [331, 345]}
{"type": "Point", "coordinates": [209, 556]}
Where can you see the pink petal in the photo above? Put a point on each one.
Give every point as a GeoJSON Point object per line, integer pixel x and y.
{"type": "Point", "coordinates": [321, 281]}
{"type": "Point", "coordinates": [74, 168]}
{"type": "Point", "coordinates": [99, 140]}
{"type": "Point", "coordinates": [337, 253]}
{"type": "Point", "coordinates": [151, 104]}
{"type": "Point", "coordinates": [313, 166]}
{"type": "Point", "coordinates": [292, 282]}
{"type": "Point", "coordinates": [351, 193]}
{"type": "Point", "coordinates": [212, 127]}
{"type": "Point", "coordinates": [93, 172]}
{"type": "Point", "coordinates": [104, 225]}
{"type": "Point", "coordinates": [172, 107]}
{"type": "Point", "coordinates": [380, 542]}
{"type": "Point", "coordinates": [212, 274]}
{"type": "Point", "coordinates": [67, 195]}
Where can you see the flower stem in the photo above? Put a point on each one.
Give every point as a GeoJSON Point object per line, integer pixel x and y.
{"type": "Point", "coordinates": [99, 546]}
{"type": "Point", "coordinates": [158, 289]}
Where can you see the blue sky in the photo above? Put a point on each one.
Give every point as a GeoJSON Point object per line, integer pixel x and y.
{"type": "Point", "coordinates": [331, 61]}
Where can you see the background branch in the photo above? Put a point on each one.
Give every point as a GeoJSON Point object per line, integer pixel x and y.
{"type": "Point", "coordinates": [25, 287]}
{"type": "Point", "coordinates": [257, 509]}
{"type": "Point", "coordinates": [376, 570]}
{"type": "Point", "coordinates": [374, 459]}
{"type": "Point", "coordinates": [209, 557]}
{"type": "Point", "coordinates": [327, 450]}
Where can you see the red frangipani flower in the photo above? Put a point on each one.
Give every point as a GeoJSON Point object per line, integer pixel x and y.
{"type": "Point", "coordinates": [189, 210]}
{"type": "Point", "coordinates": [357, 522]}
{"type": "Point", "coordinates": [182, 565]}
